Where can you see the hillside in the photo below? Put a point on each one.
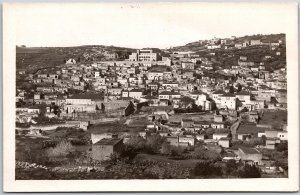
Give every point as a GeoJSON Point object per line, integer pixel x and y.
{"type": "Point", "coordinates": [199, 45]}
{"type": "Point", "coordinates": [227, 58]}
{"type": "Point", "coordinates": [38, 57]}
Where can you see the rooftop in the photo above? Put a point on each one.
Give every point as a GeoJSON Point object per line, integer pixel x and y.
{"type": "Point", "coordinates": [219, 92]}
{"type": "Point", "coordinates": [242, 93]}
{"type": "Point", "coordinates": [169, 93]}
{"type": "Point", "coordinates": [249, 150]}
{"type": "Point", "coordinates": [108, 141]}
{"type": "Point", "coordinates": [92, 96]}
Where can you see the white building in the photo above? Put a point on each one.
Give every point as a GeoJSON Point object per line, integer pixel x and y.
{"type": "Point", "coordinates": [144, 55]}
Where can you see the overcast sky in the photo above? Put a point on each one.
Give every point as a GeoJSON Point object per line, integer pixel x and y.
{"type": "Point", "coordinates": [143, 25]}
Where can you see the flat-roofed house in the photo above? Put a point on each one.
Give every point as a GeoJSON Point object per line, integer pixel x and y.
{"type": "Point", "coordinates": [103, 149]}
{"type": "Point", "coordinates": [250, 154]}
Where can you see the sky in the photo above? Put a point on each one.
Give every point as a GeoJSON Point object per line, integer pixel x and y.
{"type": "Point", "coordinates": [139, 25]}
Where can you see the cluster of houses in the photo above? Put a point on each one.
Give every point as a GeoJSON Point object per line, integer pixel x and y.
{"type": "Point", "coordinates": [162, 85]}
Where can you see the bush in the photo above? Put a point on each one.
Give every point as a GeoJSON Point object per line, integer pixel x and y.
{"type": "Point", "coordinates": [137, 142]}
{"type": "Point", "coordinates": [231, 167]}
{"type": "Point", "coordinates": [282, 147]}
{"type": "Point", "coordinates": [154, 143]}
{"type": "Point", "coordinates": [249, 171]}
{"type": "Point", "coordinates": [62, 149]}
{"type": "Point", "coordinates": [207, 169]}
{"type": "Point", "coordinates": [202, 153]}
{"type": "Point", "coordinates": [128, 152]}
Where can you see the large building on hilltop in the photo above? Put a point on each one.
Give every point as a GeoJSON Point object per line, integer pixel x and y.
{"type": "Point", "coordinates": [145, 55]}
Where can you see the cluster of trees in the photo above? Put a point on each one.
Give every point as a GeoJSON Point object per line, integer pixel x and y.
{"type": "Point", "coordinates": [231, 169]}
{"type": "Point", "coordinates": [151, 145]}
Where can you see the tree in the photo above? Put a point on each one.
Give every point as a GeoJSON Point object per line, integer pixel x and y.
{"type": "Point", "coordinates": [249, 171]}
{"type": "Point", "coordinates": [137, 142]}
{"type": "Point", "coordinates": [165, 148]}
{"type": "Point", "coordinates": [282, 147]}
{"type": "Point", "coordinates": [154, 143]}
{"type": "Point", "coordinates": [231, 167]}
{"type": "Point", "coordinates": [207, 169]}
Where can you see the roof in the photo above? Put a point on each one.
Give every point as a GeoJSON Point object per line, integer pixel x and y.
{"type": "Point", "coordinates": [153, 83]}
{"type": "Point", "coordinates": [245, 128]}
{"type": "Point", "coordinates": [197, 92]}
{"type": "Point", "coordinates": [169, 93]}
{"type": "Point", "coordinates": [87, 96]}
{"type": "Point", "coordinates": [187, 120]}
{"type": "Point", "coordinates": [149, 97]}
{"type": "Point", "coordinates": [249, 150]}
{"type": "Point", "coordinates": [219, 92]}
{"type": "Point", "coordinates": [108, 141]}
{"type": "Point", "coordinates": [242, 93]}
{"type": "Point", "coordinates": [136, 90]}
{"type": "Point", "coordinates": [228, 95]}
{"type": "Point", "coordinates": [225, 138]}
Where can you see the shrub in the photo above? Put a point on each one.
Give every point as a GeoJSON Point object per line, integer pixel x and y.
{"type": "Point", "coordinates": [137, 142]}
{"type": "Point", "coordinates": [202, 153]}
{"type": "Point", "coordinates": [231, 167]}
{"type": "Point", "coordinates": [207, 169]}
{"type": "Point", "coordinates": [154, 143]}
{"type": "Point", "coordinates": [62, 149]}
{"type": "Point", "coordinates": [249, 171]}
{"type": "Point", "coordinates": [282, 147]}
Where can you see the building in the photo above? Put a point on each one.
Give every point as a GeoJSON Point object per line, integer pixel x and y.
{"type": "Point", "coordinates": [250, 154]}
{"type": "Point", "coordinates": [168, 95]}
{"type": "Point", "coordinates": [136, 93]}
{"type": "Point", "coordinates": [188, 65]}
{"type": "Point", "coordinates": [217, 136]}
{"type": "Point", "coordinates": [144, 55]}
{"type": "Point", "coordinates": [255, 42]}
{"type": "Point", "coordinates": [103, 149]}
{"type": "Point", "coordinates": [185, 123]}
{"type": "Point", "coordinates": [224, 142]}
{"type": "Point", "coordinates": [228, 101]}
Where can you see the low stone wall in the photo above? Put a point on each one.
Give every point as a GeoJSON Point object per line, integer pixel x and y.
{"type": "Point", "coordinates": [77, 169]}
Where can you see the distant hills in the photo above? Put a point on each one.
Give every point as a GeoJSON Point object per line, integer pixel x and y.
{"type": "Point", "coordinates": [199, 45]}
{"type": "Point", "coordinates": [38, 57]}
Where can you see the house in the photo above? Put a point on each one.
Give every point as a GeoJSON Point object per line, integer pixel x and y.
{"type": "Point", "coordinates": [136, 93]}
{"type": "Point", "coordinates": [95, 137]}
{"type": "Point", "coordinates": [172, 140]}
{"type": "Point", "coordinates": [271, 143]}
{"type": "Point", "coordinates": [103, 149]}
{"type": "Point", "coordinates": [153, 86]}
{"type": "Point", "coordinates": [243, 97]}
{"type": "Point", "coordinates": [228, 101]}
{"type": "Point", "coordinates": [243, 136]}
{"type": "Point", "coordinates": [218, 118]}
{"type": "Point", "coordinates": [282, 135]}
{"type": "Point", "coordinates": [180, 141]}
{"type": "Point", "coordinates": [213, 46]}
{"type": "Point", "coordinates": [200, 137]}
{"type": "Point", "coordinates": [255, 42]}
{"type": "Point", "coordinates": [168, 95]}
{"type": "Point", "coordinates": [250, 154]}
{"type": "Point", "coordinates": [238, 45]}
{"type": "Point", "coordinates": [190, 140]}
{"type": "Point", "coordinates": [34, 109]}
{"type": "Point", "coordinates": [224, 142]}
{"type": "Point", "coordinates": [217, 136]}
{"type": "Point", "coordinates": [185, 123]}
{"type": "Point", "coordinates": [188, 65]}
{"type": "Point", "coordinates": [155, 75]}
{"type": "Point", "coordinates": [71, 61]}
{"type": "Point", "coordinates": [216, 125]}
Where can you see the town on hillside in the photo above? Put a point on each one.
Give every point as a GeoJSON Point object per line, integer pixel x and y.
{"type": "Point", "coordinates": [210, 109]}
